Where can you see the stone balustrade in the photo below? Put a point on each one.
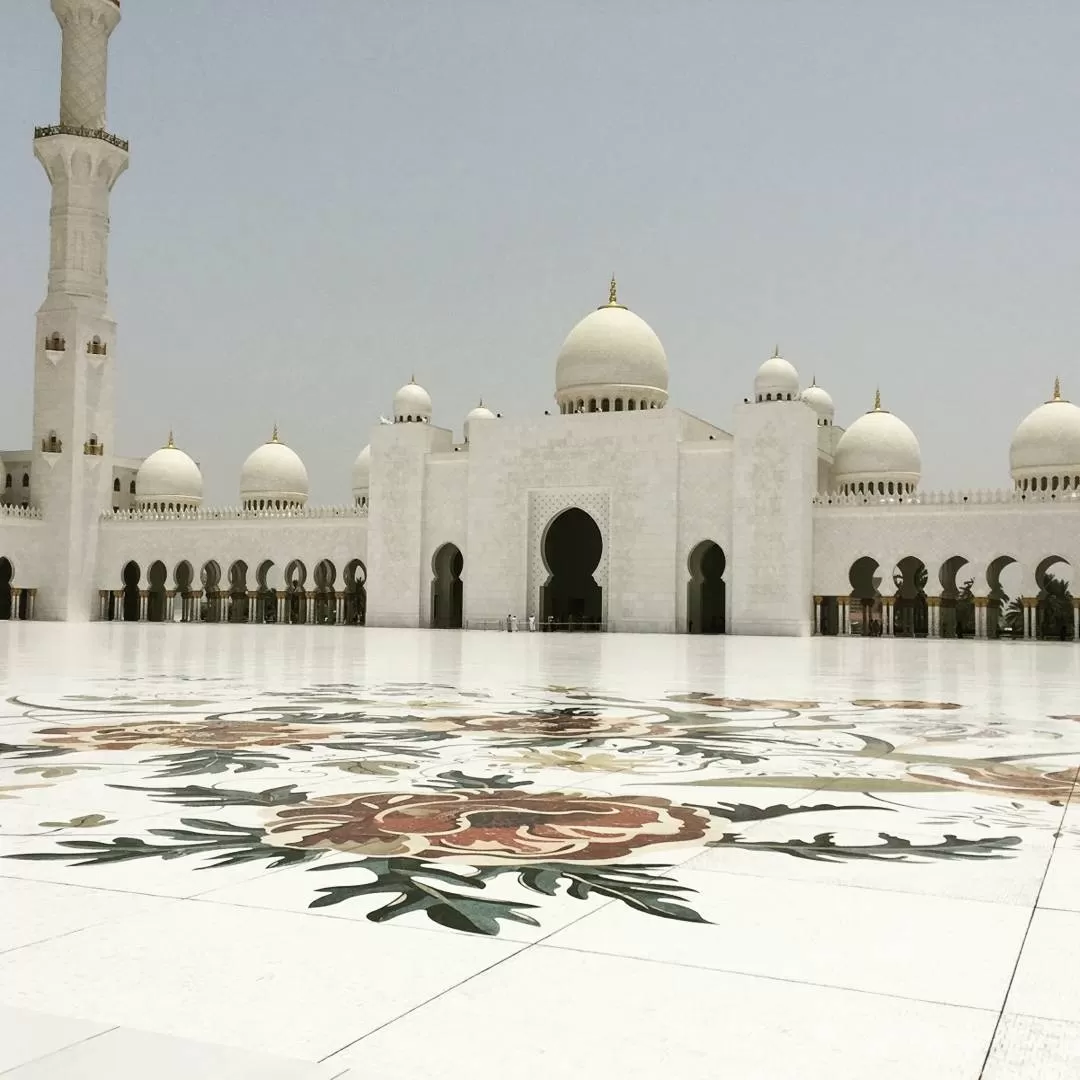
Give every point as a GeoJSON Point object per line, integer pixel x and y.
{"type": "Point", "coordinates": [235, 513]}
{"type": "Point", "coordinates": [998, 497]}
{"type": "Point", "coordinates": [21, 512]}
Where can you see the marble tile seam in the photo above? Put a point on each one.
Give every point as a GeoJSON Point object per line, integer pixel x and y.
{"type": "Point", "coordinates": [1027, 929]}
{"type": "Point", "coordinates": [517, 954]}
{"type": "Point", "coordinates": [770, 978]}
{"type": "Point", "coordinates": [8, 950]}
{"type": "Point", "coordinates": [59, 1050]}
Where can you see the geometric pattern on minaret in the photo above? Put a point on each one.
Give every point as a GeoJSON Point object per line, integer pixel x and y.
{"type": "Point", "coordinates": [76, 336]}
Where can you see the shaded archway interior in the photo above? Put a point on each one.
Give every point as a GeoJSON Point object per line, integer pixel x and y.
{"type": "Point", "coordinates": [706, 592]}
{"type": "Point", "coordinates": [447, 590]}
{"type": "Point", "coordinates": [572, 549]}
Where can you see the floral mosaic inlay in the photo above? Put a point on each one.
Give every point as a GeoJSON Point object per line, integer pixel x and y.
{"type": "Point", "coordinates": [473, 809]}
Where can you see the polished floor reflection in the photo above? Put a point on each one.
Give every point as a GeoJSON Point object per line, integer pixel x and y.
{"type": "Point", "coordinates": [308, 852]}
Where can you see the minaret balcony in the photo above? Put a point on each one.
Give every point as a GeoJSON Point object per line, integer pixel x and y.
{"type": "Point", "coordinates": [52, 445]}
{"type": "Point", "coordinates": [84, 132]}
{"type": "Point", "coordinates": [93, 448]}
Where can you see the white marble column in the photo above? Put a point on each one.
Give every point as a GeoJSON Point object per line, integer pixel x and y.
{"type": "Point", "coordinates": [1076, 619]}
{"type": "Point", "coordinates": [15, 595]}
{"type": "Point", "coordinates": [933, 616]}
{"type": "Point", "coordinates": [144, 600]}
{"type": "Point", "coordinates": [817, 615]}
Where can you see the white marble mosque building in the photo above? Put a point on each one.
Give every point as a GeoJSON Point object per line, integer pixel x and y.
{"type": "Point", "coordinates": [615, 511]}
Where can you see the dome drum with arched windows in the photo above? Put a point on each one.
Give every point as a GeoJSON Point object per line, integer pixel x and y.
{"type": "Point", "coordinates": [412, 404]}
{"type": "Point", "coordinates": [612, 361]}
{"type": "Point", "coordinates": [776, 380]}
{"type": "Point", "coordinates": [273, 478]}
{"type": "Point", "coordinates": [1045, 451]}
{"type": "Point", "coordinates": [168, 480]}
{"type": "Point", "coordinates": [878, 455]}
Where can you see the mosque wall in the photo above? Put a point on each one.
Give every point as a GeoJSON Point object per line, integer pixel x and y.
{"type": "Point", "coordinates": [621, 468]}
{"type": "Point", "coordinates": [704, 511]}
{"type": "Point", "coordinates": [21, 543]}
{"type": "Point", "coordinates": [397, 572]}
{"type": "Point", "coordinates": [446, 504]}
{"type": "Point", "coordinates": [252, 539]}
{"type": "Point", "coordinates": [1028, 532]}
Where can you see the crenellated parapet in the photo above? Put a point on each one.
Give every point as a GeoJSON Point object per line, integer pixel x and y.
{"type": "Point", "coordinates": [24, 512]}
{"type": "Point", "coordinates": [983, 497]}
{"type": "Point", "coordinates": [235, 513]}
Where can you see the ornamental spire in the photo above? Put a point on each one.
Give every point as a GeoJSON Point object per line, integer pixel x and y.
{"type": "Point", "coordinates": [1057, 389]}
{"type": "Point", "coordinates": [170, 445]}
{"type": "Point", "coordinates": [776, 352]}
{"type": "Point", "coordinates": [274, 437]}
{"type": "Point", "coordinates": [613, 292]}
{"type": "Point", "coordinates": [877, 400]}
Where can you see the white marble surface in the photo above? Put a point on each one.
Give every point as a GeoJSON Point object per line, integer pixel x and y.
{"type": "Point", "coordinates": [821, 858]}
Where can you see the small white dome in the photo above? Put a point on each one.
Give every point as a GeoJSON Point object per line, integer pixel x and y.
{"type": "Point", "coordinates": [168, 476]}
{"type": "Point", "coordinates": [412, 404]}
{"type": "Point", "coordinates": [480, 413]}
{"type": "Point", "coordinates": [878, 454]}
{"type": "Point", "coordinates": [273, 478]}
{"type": "Point", "coordinates": [1046, 446]}
{"type": "Point", "coordinates": [820, 401]}
{"type": "Point", "coordinates": [614, 353]}
{"type": "Point", "coordinates": [776, 380]}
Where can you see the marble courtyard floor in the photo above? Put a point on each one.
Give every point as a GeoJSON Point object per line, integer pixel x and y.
{"type": "Point", "coordinates": [306, 853]}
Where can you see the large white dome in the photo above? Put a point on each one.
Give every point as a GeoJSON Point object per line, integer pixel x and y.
{"type": "Point", "coordinates": [821, 402]}
{"type": "Point", "coordinates": [412, 404]}
{"type": "Point", "coordinates": [1045, 450]}
{"type": "Point", "coordinates": [273, 478]}
{"type": "Point", "coordinates": [878, 454]}
{"type": "Point", "coordinates": [776, 380]}
{"type": "Point", "coordinates": [361, 476]}
{"type": "Point", "coordinates": [611, 354]}
{"type": "Point", "coordinates": [168, 479]}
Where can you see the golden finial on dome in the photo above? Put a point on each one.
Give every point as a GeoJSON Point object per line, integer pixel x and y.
{"type": "Point", "coordinates": [1057, 389]}
{"type": "Point", "coordinates": [877, 400]}
{"type": "Point", "coordinates": [613, 292]}
{"type": "Point", "coordinates": [776, 352]}
{"type": "Point", "coordinates": [274, 437]}
{"type": "Point", "coordinates": [813, 380]}
{"type": "Point", "coordinates": [170, 445]}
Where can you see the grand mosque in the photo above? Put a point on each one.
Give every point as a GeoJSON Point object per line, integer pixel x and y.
{"type": "Point", "coordinates": [613, 510]}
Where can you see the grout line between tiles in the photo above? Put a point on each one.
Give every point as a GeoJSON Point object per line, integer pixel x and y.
{"type": "Point", "coordinates": [1027, 929]}
{"type": "Point", "coordinates": [60, 1049]}
{"type": "Point", "coordinates": [469, 978]}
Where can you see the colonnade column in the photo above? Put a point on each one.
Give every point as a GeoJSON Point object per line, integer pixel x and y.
{"type": "Point", "coordinates": [843, 625]}
{"type": "Point", "coordinates": [1029, 618]}
{"type": "Point", "coordinates": [933, 616]}
{"type": "Point", "coordinates": [1076, 617]}
{"type": "Point", "coordinates": [252, 600]}
{"type": "Point", "coordinates": [16, 594]}
{"type": "Point", "coordinates": [280, 601]}
{"type": "Point", "coordinates": [817, 615]}
{"type": "Point", "coordinates": [887, 616]}
{"type": "Point", "coordinates": [196, 606]}
{"type": "Point", "coordinates": [31, 603]}
{"type": "Point", "coordinates": [170, 604]}
{"type": "Point", "coordinates": [339, 608]}
{"type": "Point", "coordinates": [144, 600]}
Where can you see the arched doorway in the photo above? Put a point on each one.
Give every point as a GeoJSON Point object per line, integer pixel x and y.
{"type": "Point", "coordinates": [130, 578]}
{"type": "Point", "coordinates": [957, 604]}
{"type": "Point", "coordinates": [7, 572]}
{"type": "Point", "coordinates": [447, 590]}
{"type": "Point", "coordinates": [238, 594]}
{"type": "Point", "coordinates": [571, 599]}
{"type": "Point", "coordinates": [267, 596]}
{"type": "Point", "coordinates": [295, 596]}
{"type": "Point", "coordinates": [325, 596]}
{"type": "Point", "coordinates": [183, 576]}
{"type": "Point", "coordinates": [910, 617]}
{"type": "Point", "coordinates": [210, 576]}
{"type": "Point", "coordinates": [706, 593]}
{"type": "Point", "coordinates": [1004, 607]}
{"type": "Point", "coordinates": [864, 606]}
{"type": "Point", "coordinates": [355, 593]}
{"type": "Point", "coordinates": [1054, 604]}
{"type": "Point", "coordinates": [155, 600]}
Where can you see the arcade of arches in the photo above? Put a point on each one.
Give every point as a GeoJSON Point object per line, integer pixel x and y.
{"type": "Point", "coordinates": [917, 600]}
{"type": "Point", "coordinates": [239, 595]}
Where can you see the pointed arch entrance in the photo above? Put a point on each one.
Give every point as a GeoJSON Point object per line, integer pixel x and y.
{"type": "Point", "coordinates": [447, 589]}
{"type": "Point", "coordinates": [571, 548]}
{"type": "Point", "coordinates": [157, 594]}
{"type": "Point", "coordinates": [706, 591]}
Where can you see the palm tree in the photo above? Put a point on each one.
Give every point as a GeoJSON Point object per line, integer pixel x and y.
{"type": "Point", "coordinates": [1055, 611]}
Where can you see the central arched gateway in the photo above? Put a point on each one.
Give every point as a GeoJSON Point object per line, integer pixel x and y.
{"type": "Point", "coordinates": [571, 548]}
{"type": "Point", "coordinates": [706, 592]}
{"type": "Point", "coordinates": [447, 591]}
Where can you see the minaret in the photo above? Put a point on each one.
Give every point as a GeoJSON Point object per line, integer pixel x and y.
{"type": "Point", "coordinates": [74, 353]}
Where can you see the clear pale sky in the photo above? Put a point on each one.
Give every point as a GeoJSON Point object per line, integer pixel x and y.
{"type": "Point", "coordinates": [329, 195]}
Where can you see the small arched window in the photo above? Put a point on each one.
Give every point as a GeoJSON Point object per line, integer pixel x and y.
{"type": "Point", "coordinates": [116, 483]}
{"type": "Point", "coordinates": [25, 479]}
{"type": "Point", "coordinates": [131, 488]}
{"type": "Point", "coordinates": [7, 480]}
